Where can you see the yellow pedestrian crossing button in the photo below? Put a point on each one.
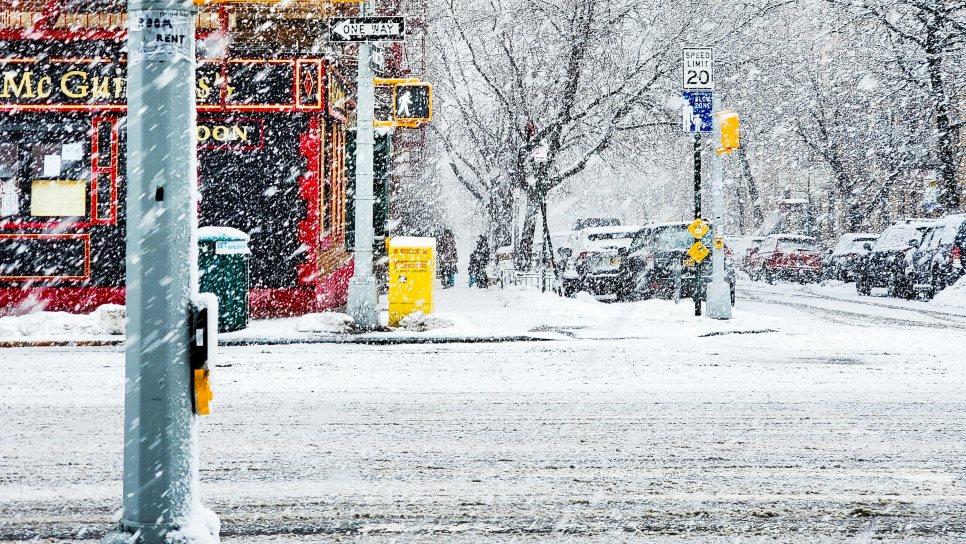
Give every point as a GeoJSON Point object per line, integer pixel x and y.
{"type": "Point", "coordinates": [698, 228]}
{"type": "Point", "coordinates": [698, 252]}
{"type": "Point", "coordinates": [719, 243]}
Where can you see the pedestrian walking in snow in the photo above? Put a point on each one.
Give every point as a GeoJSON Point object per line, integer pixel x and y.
{"type": "Point", "coordinates": [447, 258]}
{"type": "Point", "coordinates": [478, 261]}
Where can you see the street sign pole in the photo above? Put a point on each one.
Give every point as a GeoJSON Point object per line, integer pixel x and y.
{"type": "Point", "coordinates": [696, 286]}
{"type": "Point", "coordinates": [697, 83]}
{"type": "Point", "coordinates": [719, 292]}
{"type": "Point", "coordinates": [363, 297]}
{"type": "Point", "coordinates": [160, 495]}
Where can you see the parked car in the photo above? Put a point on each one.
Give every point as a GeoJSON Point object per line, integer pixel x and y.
{"type": "Point", "coordinates": [787, 257]}
{"type": "Point", "coordinates": [939, 261]}
{"type": "Point", "coordinates": [593, 222]}
{"type": "Point", "coordinates": [846, 257]}
{"type": "Point", "coordinates": [648, 266]}
{"type": "Point", "coordinates": [594, 261]}
{"type": "Point", "coordinates": [748, 255]}
{"type": "Point", "coordinates": [559, 241]}
{"type": "Point", "coordinates": [888, 263]}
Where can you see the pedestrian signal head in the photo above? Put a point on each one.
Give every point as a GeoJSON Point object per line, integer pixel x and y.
{"type": "Point", "coordinates": [413, 102]}
{"type": "Point", "coordinates": [730, 138]}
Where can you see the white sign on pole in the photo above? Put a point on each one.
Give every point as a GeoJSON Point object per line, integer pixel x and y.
{"type": "Point", "coordinates": [162, 34]}
{"type": "Point", "coordinates": [698, 68]}
{"type": "Point", "coordinates": [367, 29]}
{"type": "Point", "coordinates": [687, 118]}
{"type": "Point", "coordinates": [540, 153]}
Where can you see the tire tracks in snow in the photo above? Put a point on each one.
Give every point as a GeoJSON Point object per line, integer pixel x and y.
{"type": "Point", "coordinates": [800, 300]}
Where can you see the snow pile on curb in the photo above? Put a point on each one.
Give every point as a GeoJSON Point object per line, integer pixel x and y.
{"type": "Point", "coordinates": [112, 318]}
{"type": "Point", "coordinates": [328, 322]}
{"type": "Point", "coordinates": [550, 308]}
{"type": "Point", "coordinates": [954, 295]}
{"type": "Point", "coordinates": [201, 526]}
{"type": "Point", "coordinates": [652, 318]}
{"type": "Point", "coordinates": [420, 322]}
{"type": "Point", "coordinates": [105, 320]}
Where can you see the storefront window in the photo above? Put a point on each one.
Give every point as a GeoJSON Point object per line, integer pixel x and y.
{"type": "Point", "coordinates": [59, 178]}
{"type": "Point", "coordinates": [10, 191]}
{"type": "Point", "coordinates": [44, 174]}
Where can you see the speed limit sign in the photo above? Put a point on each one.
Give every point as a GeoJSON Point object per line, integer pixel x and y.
{"type": "Point", "coordinates": [698, 68]}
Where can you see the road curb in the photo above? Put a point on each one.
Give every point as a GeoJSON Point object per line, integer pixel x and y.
{"type": "Point", "coordinates": [362, 340]}
{"type": "Point", "coordinates": [59, 343]}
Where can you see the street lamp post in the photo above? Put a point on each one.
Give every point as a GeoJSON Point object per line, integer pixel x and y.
{"type": "Point", "coordinates": [719, 291]}
{"type": "Point", "coordinates": [363, 297]}
{"type": "Point", "coordinates": [160, 485]}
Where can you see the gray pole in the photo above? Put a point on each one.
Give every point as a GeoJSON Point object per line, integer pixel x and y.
{"type": "Point", "coordinates": [719, 292]}
{"type": "Point", "coordinates": [363, 298]}
{"type": "Point", "coordinates": [160, 464]}
{"type": "Point", "coordinates": [698, 274]}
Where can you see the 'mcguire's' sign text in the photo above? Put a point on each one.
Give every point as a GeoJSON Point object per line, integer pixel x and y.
{"type": "Point", "coordinates": [248, 84]}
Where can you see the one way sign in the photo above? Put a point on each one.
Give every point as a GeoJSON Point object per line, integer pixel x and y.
{"type": "Point", "coordinates": [366, 29]}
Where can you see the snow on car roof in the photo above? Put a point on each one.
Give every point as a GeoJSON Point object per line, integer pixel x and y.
{"type": "Point", "coordinates": [792, 237]}
{"type": "Point", "coordinates": [607, 230]}
{"type": "Point", "coordinates": [952, 219]}
{"type": "Point", "coordinates": [916, 222]}
{"type": "Point", "coordinates": [669, 224]}
{"type": "Point", "coordinates": [857, 235]}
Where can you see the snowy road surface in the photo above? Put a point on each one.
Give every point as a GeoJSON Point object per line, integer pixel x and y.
{"type": "Point", "coordinates": [846, 422]}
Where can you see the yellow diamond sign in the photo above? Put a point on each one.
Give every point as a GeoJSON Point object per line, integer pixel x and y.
{"type": "Point", "coordinates": [698, 252]}
{"type": "Point", "coordinates": [698, 228]}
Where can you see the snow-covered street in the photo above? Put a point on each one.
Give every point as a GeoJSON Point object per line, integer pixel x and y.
{"type": "Point", "coordinates": [809, 417]}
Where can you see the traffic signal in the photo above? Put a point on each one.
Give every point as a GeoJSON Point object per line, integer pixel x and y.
{"type": "Point", "coordinates": [412, 102]}
{"type": "Point", "coordinates": [730, 138]}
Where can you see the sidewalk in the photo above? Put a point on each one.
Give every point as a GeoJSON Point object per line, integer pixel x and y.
{"type": "Point", "coordinates": [461, 315]}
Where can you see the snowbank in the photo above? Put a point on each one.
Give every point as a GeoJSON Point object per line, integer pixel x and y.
{"type": "Point", "coordinates": [105, 320]}
{"type": "Point", "coordinates": [420, 322]}
{"type": "Point", "coordinates": [586, 317]}
{"type": "Point", "coordinates": [328, 322]}
{"type": "Point", "coordinates": [954, 295]}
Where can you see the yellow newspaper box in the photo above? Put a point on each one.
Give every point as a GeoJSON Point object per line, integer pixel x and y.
{"type": "Point", "coordinates": [412, 274]}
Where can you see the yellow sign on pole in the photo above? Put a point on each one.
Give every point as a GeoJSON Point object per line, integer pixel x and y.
{"type": "Point", "coordinates": [412, 275]}
{"type": "Point", "coordinates": [698, 252]}
{"type": "Point", "coordinates": [698, 228]}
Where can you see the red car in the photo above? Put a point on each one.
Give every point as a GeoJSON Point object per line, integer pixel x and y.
{"type": "Point", "coordinates": [748, 258]}
{"type": "Point", "coordinates": [787, 257]}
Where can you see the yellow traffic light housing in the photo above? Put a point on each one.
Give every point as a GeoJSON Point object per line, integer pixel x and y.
{"type": "Point", "coordinates": [730, 134]}
{"type": "Point", "coordinates": [412, 102]}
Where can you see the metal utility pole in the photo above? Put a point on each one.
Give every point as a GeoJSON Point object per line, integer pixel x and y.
{"type": "Point", "coordinates": [363, 297]}
{"type": "Point", "coordinates": [719, 292]}
{"type": "Point", "coordinates": [697, 286]}
{"type": "Point", "coordinates": [160, 439]}
{"type": "Point", "coordinates": [697, 82]}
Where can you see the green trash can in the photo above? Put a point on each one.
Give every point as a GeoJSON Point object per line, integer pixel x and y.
{"type": "Point", "coordinates": [223, 269]}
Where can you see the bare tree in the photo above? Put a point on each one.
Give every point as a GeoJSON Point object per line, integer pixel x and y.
{"type": "Point", "coordinates": [550, 76]}
{"type": "Point", "coordinates": [925, 34]}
